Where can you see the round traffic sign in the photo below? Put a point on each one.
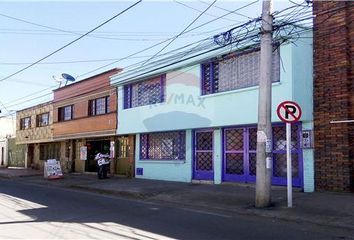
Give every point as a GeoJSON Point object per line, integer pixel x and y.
{"type": "Point", "coordinates": [289, 111]}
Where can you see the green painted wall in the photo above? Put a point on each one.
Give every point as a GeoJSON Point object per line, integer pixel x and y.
{"type": "Point", "coordinates": [16, 153]}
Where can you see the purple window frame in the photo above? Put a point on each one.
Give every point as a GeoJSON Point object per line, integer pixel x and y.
{"type": "Point", "coordinates": [211, 81]}
{"type": "Point", "coordinates": [128, 92]}
{"type": "Point", "coordinates": [211, 64]}
{"type": "Point", "coordinates": [181, 149]}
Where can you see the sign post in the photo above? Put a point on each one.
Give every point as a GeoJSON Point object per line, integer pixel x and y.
{"type": "Point", "coordinates": [289, 169]}
{"type": "Point", "coordinates": [289, 112]}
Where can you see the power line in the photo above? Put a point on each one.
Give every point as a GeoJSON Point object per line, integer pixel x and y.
{"type": "Point", "coordinates": [68, 44]}
{"type": "Point", "coordinates": [130, 34]}
{"type": "Point", "coordinates": [9, 114]}
{"type": "Point", "coordinates": [251, 37]}
{"type": "Point", "coordinates": [175, 37]}
{"type": "Point", "coordinates": [16, 80]}
{"type": "Point", "coordinates": [157, 44]}
{"type": "Point", "coordinates": [226, 10]}
{"type": "Point", "coordinates": [93, 36]}
{"type": "Point", "coordinates": [44, 95]}
{"type": "Point", "coordinates": [247, 36]}
{"type": "Point", "coordinates": [32, 94]}
{"type": "Point", "coordinates": [63, 30]}
{"type": "Point", "coordinates": [69, 62]}
{"type": "Point", "coordinates": [195, 9]}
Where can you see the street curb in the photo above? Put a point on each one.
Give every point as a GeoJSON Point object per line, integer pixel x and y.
{"type": "Point", "coordinates": [107, 191]}
{"type": "Point", "coordinates": [21, 176]}
{"type": "Point", "coordinates": [245, 210]}
{"type": "Point", "coordinates": [5, 177]}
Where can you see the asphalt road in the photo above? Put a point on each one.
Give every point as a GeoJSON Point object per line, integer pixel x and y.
{"type": "Point", "coordinates": [40, 212]}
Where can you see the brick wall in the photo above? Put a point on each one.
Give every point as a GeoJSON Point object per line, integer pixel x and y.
{"type": "Point", "coordinates": [83, 124]}
{"type": "Point", "coordinates": [85, 86]}
{"type": "Point", "coordinates": [79, 94]}
{"type": "Point", "coordinates": [334, 94]}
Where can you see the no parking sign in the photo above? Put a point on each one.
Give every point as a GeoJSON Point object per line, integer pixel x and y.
{"type": "Point", "coordinates": [289, 112]}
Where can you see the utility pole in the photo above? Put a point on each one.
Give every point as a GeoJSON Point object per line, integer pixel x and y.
{"type": "Point", "coordinates": [264, 128]}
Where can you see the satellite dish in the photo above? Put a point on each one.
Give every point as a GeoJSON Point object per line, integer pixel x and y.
{"type": "Point", "coordinates": [68, 77]}
{"type": "Point", "coordinates": [64, 77]}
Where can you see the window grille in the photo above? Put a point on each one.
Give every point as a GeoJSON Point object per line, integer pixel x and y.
{"type": "Point", "coordinates": [204, 150]}
{"type": "Point", "coordinates": [144, 93]}
{"type": "Point", "coordinates": [163, 146]}
{"type": "Point", "coordinates": [237, 72]}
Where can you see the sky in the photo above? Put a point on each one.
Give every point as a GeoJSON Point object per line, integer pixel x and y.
{"type": "Point", "coordinates": [27, 35]}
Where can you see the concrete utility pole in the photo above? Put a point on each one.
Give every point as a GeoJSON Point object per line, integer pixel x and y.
{"type": "Point", "coordinates": [264, 131]}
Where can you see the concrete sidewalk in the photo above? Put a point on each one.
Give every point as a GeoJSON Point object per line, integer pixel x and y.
{"type": "Point", "coordinates": [329, 209]}
{"type": "Point", "coordinates": [14, 172]}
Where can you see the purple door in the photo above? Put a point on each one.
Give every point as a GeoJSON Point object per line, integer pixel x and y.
{"type": "Point", "coordinates": [203, 155]}
{"type": "Point", "coordinates": [279, 155]}
{"type": "Point", "coordinates": [239, 154]}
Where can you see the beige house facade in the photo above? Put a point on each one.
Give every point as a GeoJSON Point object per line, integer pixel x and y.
{"type": "Point", "coordinates": [34, 129]}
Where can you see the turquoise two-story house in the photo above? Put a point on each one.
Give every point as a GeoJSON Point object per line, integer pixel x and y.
{"type": "Point", "coordinates": [196, 119]}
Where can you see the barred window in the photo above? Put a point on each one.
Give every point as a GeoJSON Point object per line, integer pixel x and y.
{"type": "Point", "coordinates": [144, 93]}
{"type": "Point", "coordinates": [43, 119]}
{"type": "Point", "coordinates": [99, 106]}
{"type": "Point", "coordinates": [163, 146]}
{"type": "Point", "coordinates": [65, 113]}
{"type": "Point", "coordinates": [235, 72]}
{"type": "Point", "coordinates": [25, 123]}
{"type": "Point", "coordinates": [49, 151]}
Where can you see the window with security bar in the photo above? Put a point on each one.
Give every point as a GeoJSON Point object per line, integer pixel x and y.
{"type": "Point", "coordinates": [236, 71]}
{"type": "Point", "coordinates": [163, 146]}
{"type": "Point", "coordinates": [144, 93]}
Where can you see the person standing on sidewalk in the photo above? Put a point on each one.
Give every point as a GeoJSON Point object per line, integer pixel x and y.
{"type": "Point", "coordinates": [102, 163]}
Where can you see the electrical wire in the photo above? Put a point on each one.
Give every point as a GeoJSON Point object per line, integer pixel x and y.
{"type": "Point", "coordinates": [66, 31]}
{"type": "Point", "coordinates": [70, 43]}
{"type": "Point", "coordinates": [195, 9]}
{"type": "Point", "coordinates": [183, 31]}
{"type": "Point", "coordinates": [157, 44]}
{"type": "Point", "coordinates": [226, 10]}
{"type": "Point", "coordinates": [253, 35]}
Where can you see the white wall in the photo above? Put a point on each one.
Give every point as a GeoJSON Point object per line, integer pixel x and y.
{"type": "Point", "coordinates": [7, 126]}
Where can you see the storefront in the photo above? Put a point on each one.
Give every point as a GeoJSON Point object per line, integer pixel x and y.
{"type": "Point", "coordinates": [94, 147]}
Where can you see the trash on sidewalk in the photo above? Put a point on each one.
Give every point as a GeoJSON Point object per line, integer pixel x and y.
{"type": "Point", "coordinates": [52, 169]}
